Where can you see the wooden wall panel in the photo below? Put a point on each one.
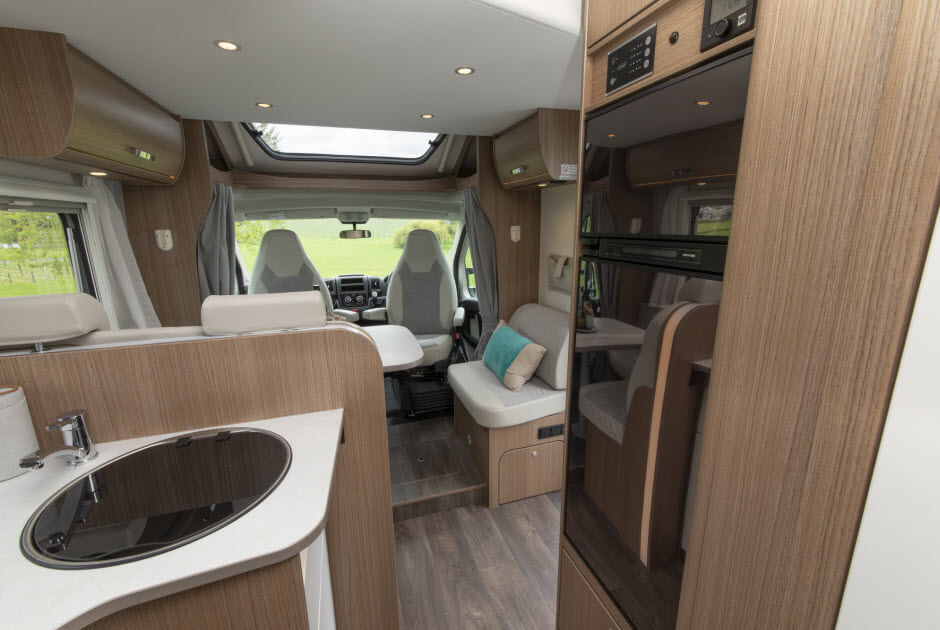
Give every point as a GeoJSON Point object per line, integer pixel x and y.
{"type": "Point", "coordinates": [517, 264]}
{"type": "Point", "coordinates": [271, 597]}
{"type": "Point", "coordinates": [135, 391]}
{"type": "Point", "coordinates": [171, 277]}
{"type": "Point", "coordinates": [603, 16]}
{"type": "Point", "coordinates": [36, 98]}
{"type": "Point", "coordinates": [836, 198]}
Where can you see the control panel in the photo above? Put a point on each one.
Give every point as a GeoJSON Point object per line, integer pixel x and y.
{"type": "Point", "coordinates": [631, 61]}
{"type": "Point", "coordinates": [356, 292]}
{"type": "Point", "coordinates": [725, 19]}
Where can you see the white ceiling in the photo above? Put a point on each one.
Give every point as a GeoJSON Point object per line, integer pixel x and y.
{"type": "Point", "coordinates": [359, 63]}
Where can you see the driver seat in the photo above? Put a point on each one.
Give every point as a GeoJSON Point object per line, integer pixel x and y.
{"type": "Point", "coordinates": [422, 295]}
{"type": "Point", "coordinates": [282, 266]}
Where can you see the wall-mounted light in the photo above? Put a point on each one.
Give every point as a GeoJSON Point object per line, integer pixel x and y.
{"type": "Point", "coordinates": [427, 116]}
{"type": "Point", "coordinates": [700, 183]}
{"type": "Point", "coordinates": [464, 70]}
{"type": "Point", "coordinates": [703, 103]}
{"type": "Point", "coordinates": [98, 174]}
{"type": "Point", "coordinates": [227, 46]}
{"type": "Point", "coordinates": [543, 185]}
{"type": "Point", "coordinates": [264, 105]}
{"type": "Point", "coordinates": [611, 135]}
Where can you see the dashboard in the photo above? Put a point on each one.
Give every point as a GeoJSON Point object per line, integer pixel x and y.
{"type": "Point", "coordinates": [357, 292]}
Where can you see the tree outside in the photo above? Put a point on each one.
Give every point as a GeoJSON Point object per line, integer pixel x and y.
{"type": "Point", "coordinates": [34, 257]}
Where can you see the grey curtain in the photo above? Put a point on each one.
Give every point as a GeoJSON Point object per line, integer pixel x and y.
{"type": "Point", "coordinates": [602, 220]}
{"type": "Point", "coordinates": [216, 255]}
{"type": "Point", "coordinates": [483, 252]}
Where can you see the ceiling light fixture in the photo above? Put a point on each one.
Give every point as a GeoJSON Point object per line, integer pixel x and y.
{"type": "Point", "coordinates": [464, 70]}
{"type": "Point", "coordinates": [227, 46]}
{"type": "Point", "coordinates": [427, 116]}
{"type": "Point", "coordinates": [611, 135]}
{"type": "Point", "coordinates": [703, 103]}
{"type": "Point", "coordinates": [543, 185]}
{"type": "Point", "coordinates": [98, 174]}
{"type": "Point", "coordinates": [264, 105]}
{"type": "Point", "coordinates": [701, 183]}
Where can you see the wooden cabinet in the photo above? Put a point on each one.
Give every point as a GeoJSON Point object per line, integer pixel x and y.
{"type": "Point", "coordinates": [603, 16]}
{"type": "Point", "coordinates": [58, 103]}
{"type": "Point", "coordinates": [526, 472]}
{"type": "Point", "coordinates": [579, 608]}
{"type": "Point", "coordinates": [539, 149]}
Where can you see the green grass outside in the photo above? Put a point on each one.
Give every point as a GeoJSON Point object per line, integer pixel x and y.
{"type": "Point", "coordinates": [333, 256]}
{"type": "Point", "coordinates": [713, 228]}
{"type": "Point", "coordinates": [40, 287]}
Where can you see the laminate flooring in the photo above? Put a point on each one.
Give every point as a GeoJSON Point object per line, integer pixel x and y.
{"type": "Point", "coordinates": [479, 567]}
{"type": "Point", "coordinates": [431, 469]}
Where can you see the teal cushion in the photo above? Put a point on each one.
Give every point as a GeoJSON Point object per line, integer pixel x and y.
{"type": "Point", "coordinates": [504, 346]}
{"type": "Point", "coordinates": [512, 357]}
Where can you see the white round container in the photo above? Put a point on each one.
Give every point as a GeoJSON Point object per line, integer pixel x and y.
{"type": "Point", "coordinates": [17, 436]}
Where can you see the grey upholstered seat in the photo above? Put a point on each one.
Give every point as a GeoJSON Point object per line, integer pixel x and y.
{"type": "Point", "coordinates": [422, 295]}
{"type": "Point", "coordinates": [604, 404]}
{"type": "Point", "coordinates": [282, 266]}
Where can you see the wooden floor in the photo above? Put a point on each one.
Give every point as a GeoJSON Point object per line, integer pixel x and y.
{"type": "Point", "coordinates": [478, 567]}
{"type": "Point", "coordinates": [431, 469]}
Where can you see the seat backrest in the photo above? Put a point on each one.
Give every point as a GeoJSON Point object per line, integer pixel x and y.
{"type": "Point", "coordinates": [547, 327]}
{"type": "Point", "coordinates": [282, 266]}
{"type": "Point", "coordinates": [245, 314]}
{"type": "Point", "coordinates": [422, 294]}
{"type": "Point", "coordinates": [46, 319]}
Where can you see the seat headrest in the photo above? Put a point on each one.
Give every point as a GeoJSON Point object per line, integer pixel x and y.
{"type": "Point", "coordinates": [262, 312]}
{"type": "Point", "coordinates": [36, 319]}
{"type": "Point", "coordinates": [701, 291]}
{"type": "Point", "coordinates": [282, 251]}
{"type": "Point", "coordinates": [421, 250]}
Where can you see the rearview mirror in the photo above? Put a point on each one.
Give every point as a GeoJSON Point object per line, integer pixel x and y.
{"type": "Point", "coordinates": [355, 234]}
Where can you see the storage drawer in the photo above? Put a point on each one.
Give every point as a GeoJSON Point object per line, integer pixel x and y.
{"type": "Point", "coordinates": [578, 607]}
{"type": "Point", "coordinates": [526, 472]}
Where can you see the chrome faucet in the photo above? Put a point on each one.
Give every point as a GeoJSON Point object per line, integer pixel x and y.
{"type": "Point", "coordinates": [76, 438]}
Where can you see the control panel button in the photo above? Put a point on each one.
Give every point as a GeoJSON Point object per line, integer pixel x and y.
{"type": "Point", "coordinates": [347, 299]}
{"type": "Point", "coordinates": [721, 28]}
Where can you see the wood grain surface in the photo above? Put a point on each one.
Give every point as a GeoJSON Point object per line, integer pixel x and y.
{"type": "Point", "coordinates": [836, 198]}
{"type": "Point", "coordinates": [474, 567]}
{"type": "Point", "coordinates": [171, 277]}
{"type": "Point", "coordinates": [135, 391]}
{"type": "Point", "coordinates": [517, 264]}
{"type": "Point", "coordinates": [603, 16]}
{"type": "Point", "coordinates": [36, 95]}
{"type": "Point", "coordinates": [271, 597]}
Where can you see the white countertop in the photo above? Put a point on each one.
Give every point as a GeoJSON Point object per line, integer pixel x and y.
{"type": "Point", "coordinates": [397, 346]}
{"type": "Point", "coordinates": [612, 334]}
{"type": "Point", "coordinates": [281, 526]}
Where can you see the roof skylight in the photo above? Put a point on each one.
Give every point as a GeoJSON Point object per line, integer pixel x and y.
{"type": "Point", "coordinates": [339, 143]}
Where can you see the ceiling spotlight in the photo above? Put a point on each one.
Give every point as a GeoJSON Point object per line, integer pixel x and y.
{"type": "Point", "coordinates": [227, 46]}
{"type": "Point", "coordinates": [543, 185]}
{"type": "Point", "coordinates": [98, 174]}
{"type": "Point", "coordinates": [703, 103]}
{"type": "Point", "coordinates": [611, 135]}
{"type": "Point", "coordinates": [427, 116]}
{"type": "Point", "coordinates": [700, 183]}
{"type": "Point", "coordinates": [264, 105]}
{"type": "Point", "coordinates": [464, 70]}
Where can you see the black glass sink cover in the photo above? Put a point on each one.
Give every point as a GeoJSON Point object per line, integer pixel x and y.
{"type": "Point", "coordinates": [156, 498]}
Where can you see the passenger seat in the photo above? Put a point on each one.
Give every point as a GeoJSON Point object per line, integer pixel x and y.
{"type": "Point", "coordinates": [282, 266]}
{"type": "Point", "coordinates": [422, 296]}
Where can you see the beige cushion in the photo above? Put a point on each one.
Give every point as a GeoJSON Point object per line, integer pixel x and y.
{"type": "Point", "coordinates": [493, 406]}
{"type": "Point", "coordinates": [35, 319]}
{"type": "Point", "coordinates": [524, 365]}
{"type": "Point", "coordinates": [241, 314]}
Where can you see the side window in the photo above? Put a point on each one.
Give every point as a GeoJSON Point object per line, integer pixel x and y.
{"type": "Point", "coordinates": [471, 276]}
{"type": "Point", "coordinates": [41, 253]}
